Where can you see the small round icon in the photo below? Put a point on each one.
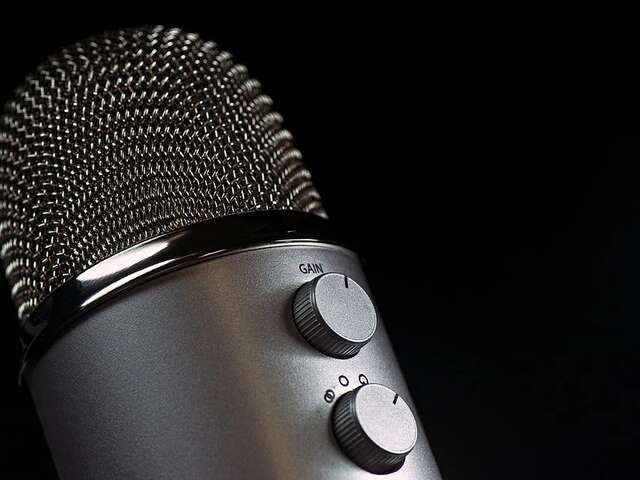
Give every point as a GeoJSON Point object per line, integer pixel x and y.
{"type": "Point", "coordinates": [329, 396]}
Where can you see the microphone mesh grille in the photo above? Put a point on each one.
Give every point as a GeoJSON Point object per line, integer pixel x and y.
{"type": "Point", "coordinates": [131, 135]}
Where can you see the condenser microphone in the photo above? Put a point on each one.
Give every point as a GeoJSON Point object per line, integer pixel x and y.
{"type": "Point", "coordinates": [186, 310]}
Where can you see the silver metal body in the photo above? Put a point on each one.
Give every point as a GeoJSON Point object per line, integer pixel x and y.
{"type": "Point", "coordinates": [201, 374]}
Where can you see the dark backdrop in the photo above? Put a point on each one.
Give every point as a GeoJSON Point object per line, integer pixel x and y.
{"type": "Point", "coordinates": [491, 187]}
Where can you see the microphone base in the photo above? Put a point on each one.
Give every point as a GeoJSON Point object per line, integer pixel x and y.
{"type": "Point", "coordinates": [201, 373]}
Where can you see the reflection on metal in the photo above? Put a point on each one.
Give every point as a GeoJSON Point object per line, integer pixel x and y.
{"type": "Point", "coordinates": [199, 242]}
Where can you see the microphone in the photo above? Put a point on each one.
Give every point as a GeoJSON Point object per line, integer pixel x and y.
{"type": "Point", "coordinates": [186, 309]}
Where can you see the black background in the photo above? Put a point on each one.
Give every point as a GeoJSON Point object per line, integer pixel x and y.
{"type": "Point", "coordinates": [491, 185]}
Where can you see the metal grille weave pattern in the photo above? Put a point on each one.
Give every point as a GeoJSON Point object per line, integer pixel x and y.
{"type": "Point", "coordinates": [127, 136]}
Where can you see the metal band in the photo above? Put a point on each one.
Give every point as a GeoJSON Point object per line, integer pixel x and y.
{"type": "Point", "coordinates": [198, 242]}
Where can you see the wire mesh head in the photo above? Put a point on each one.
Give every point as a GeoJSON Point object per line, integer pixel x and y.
{"type": "Point", "coordinates": [128, 136]}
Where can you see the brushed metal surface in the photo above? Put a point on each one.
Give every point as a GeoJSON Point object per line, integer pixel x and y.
{"type": "Point", "coordinates": [202, 374]}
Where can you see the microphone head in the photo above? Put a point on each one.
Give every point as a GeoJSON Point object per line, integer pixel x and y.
{"type": "Point", "coordinates": [131, 135]}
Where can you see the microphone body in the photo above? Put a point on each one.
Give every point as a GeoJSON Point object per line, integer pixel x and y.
{"type": "Point", "coordinates": [201, 373]}
{"type": "Point", "coordinates": [224, 334]}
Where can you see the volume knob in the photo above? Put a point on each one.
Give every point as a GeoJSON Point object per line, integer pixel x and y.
{"type": "Point", "coordinates": [375, 428]}
{"type": "Point", "coordinates": [335, 315]}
